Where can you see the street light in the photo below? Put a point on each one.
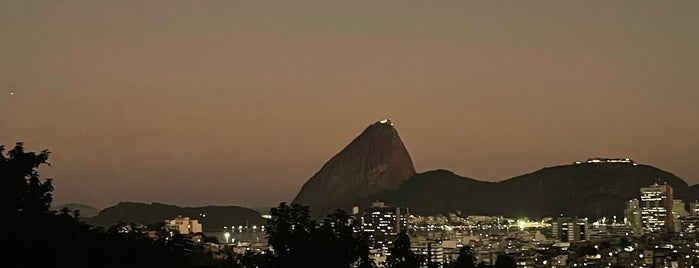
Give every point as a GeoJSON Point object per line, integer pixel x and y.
{"type": "Point", "coordinates": [227, 235]}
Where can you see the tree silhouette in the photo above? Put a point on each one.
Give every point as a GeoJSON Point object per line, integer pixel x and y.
{"type": "Point", "coordinates": [298, 241]}
{"type": "Point", "coordinates": [367, 263]}
{"type": "Point", "coordinates": [289, 233]}
{"type": "Point", "coordinates": [339, 245]}
{"type": "Point", "coordinates": [505, 261]}
{"type": "Point", "coordinates": [40, 238]}
{"type": "Point", "coordinates": [587, 250]}
{"type": "Point", "coordinates": [466, 258]}
{"type": "Point", "coordinates": [401, 256]}
{"type": "Point", "coordinates": [365, 260]}
{"type": "Point", "coordinates": [625, 242]}
{"type": "Point", "coordinates": [21, 189]}
{"type": "Point", "coordinates": [251, 259]}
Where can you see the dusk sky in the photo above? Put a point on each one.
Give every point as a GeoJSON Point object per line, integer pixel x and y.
{"type": "Point", "coordinates": [240, 102]}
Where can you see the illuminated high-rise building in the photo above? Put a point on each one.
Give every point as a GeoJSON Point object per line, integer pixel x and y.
{"type": "Point", "coordinates": [694, 208]}
{"type": "Point", "coordinates": [567, 229]}
{"type": "Point", "coordinates": [656, 208]}
{"type": "Point", "coordinates": [384, 219]}
{"type": "Point", "coordinates": [689, 225]}
{"type": "Point", "coordinates": [678, 211]}
{"type": "Point", "coordinates": [382, 223]}
{"type": "Point", "coordinates": [632, 216]}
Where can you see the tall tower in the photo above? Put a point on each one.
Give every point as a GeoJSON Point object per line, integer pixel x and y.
{"type": "Point", "coordinates": [632, 216]}
{"type": "Point", "coordinates": [656, 208]}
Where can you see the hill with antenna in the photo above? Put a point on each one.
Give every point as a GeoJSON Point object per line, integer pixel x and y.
{"type": "Point", "coordinates": [586, 189]}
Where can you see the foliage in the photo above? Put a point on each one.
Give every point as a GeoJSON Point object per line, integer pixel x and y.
{"type": "Point", "coordinates": [505, 261]}
{"type": "Point", "coordinates": [21, 189]}
{"type": "Point", "coordinates": [624, 242]}
{"type": "Point", "coordinates": [289, 234]}
{"type": "Point", "coordinates": [255, 259]}
{"type": "Point", "coordinates": [466, 258]}
{"type": "Point", "coordinates": [401, 256]}
{"type": "Point", "coordinates": [37, 237]}
{"type": "Point", "coordinates": [587, 250]}
{"type": "Point", "coordinates": [298, 241]}
{"type": "Point", "coordinates": [339, 245]}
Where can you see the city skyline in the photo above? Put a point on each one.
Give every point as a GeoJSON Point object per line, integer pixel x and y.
{"type": "Point", "coordinates": [240, 103]}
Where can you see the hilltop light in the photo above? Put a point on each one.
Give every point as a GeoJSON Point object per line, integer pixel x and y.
{"type": "Point", "coordinates": [385, 121]}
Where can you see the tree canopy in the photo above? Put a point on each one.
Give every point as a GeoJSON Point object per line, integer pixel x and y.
{"type": "Point", "coordinates": [401, 256]}
{"type": "Point", "coordinates": [466, 258]}
{"type": "Point", "coordinates": [37, 237]}
{"type": "Point", "coordinates": [21, 189]}
{"type": "Point", "coordinates": [505, 261]}
{"type": "Point", "coordinates": [298, 241]}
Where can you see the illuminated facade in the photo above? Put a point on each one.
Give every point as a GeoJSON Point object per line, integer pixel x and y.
{"type": "Point", "coordinates": [678, 211]}
{"type": "Point", "coordinates": [382, 224]}
{"type": "Point", "coordinates": [632, 216]}
{"type": "Point", "coordinates": [431, 251]}
{"type": "Point", "coordinates": [183, 225]}
{"type": "Point", "coordinates": [694, 208]}
{"type": "Point", "coordinates": [567, 229]}
{"type": "Point", "coordinates": [689, 225]}
{"type": "Point", "coordinates": [384, 219]}
{"type": "Point", "coordinates": [656, 208]}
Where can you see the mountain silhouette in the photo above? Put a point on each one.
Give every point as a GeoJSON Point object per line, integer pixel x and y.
{"type": "Point", "coordinates": [374, 162]}
{"type": "Point", "coordinates": [212, 218]}
{"type": "Point", "coordinates": [586, 190]}
{"type": "Point", "coordinates": [85, 211]}
{"type": "Point", "coordinates": [376, 166]}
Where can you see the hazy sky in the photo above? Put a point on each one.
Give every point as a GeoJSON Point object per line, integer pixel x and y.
{"type": "Point", "coordinates": [240, 102]}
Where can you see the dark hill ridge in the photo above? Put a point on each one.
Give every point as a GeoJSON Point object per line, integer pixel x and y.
{"type": "Point", "coordinates": [440, 191]}
{"type": "Point", "coordinates": [216, 216]}
{"type": "Point", "coordinates": [86, 211]}
{"type": "Point", "coordinates": [587, 189]}
{"type": "Point", "coordinates": [374, 162]}
{"type": "Point", "coordinates": [596, 189]}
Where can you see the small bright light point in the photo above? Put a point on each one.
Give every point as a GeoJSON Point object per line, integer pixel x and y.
{"type": "Point", "coordinates": [12, 93]}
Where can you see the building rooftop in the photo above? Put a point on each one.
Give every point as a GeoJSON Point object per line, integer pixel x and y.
{"type": "Point", "coordinates": [597, 160]}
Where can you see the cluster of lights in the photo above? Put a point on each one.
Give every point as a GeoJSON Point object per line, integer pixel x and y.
{"type": "Point", "coordinates": [385, 121]}
{"type": "Point", "coordinates": [598, 160]}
